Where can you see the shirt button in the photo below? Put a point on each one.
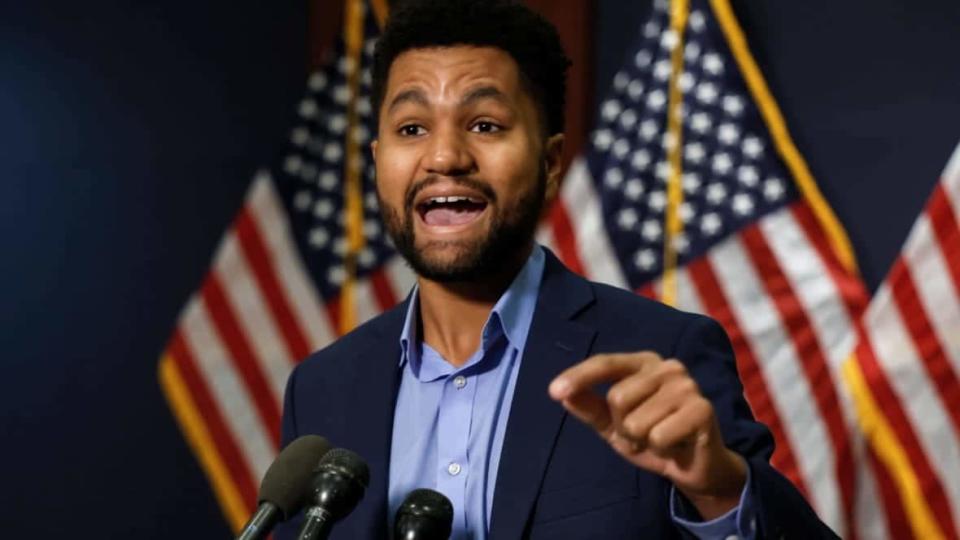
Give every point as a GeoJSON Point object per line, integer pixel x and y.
{"type": "Point", "coordinates": [453, 469]}
{"type": "Point", "coordinates": [459, 381]}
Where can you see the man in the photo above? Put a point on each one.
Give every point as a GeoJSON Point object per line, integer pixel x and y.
{"type": "Point", "coordinates": [542, 405]}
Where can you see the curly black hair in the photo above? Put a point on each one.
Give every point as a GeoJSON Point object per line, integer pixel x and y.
{"type": "Point", "coordinates": [507, 25]}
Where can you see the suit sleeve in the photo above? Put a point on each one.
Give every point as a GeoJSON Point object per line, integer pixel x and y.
{"type": "Point", "coordinates": [781, 511]}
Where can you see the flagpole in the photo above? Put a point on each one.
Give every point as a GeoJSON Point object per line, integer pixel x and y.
{"type": "Point", "coordinates": [679, 10]}
{"type": "Point", "coordinates": [353, 188]}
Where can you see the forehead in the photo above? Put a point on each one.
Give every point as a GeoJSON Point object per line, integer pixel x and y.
{"type": "Point", "coordinates": [452, 70]}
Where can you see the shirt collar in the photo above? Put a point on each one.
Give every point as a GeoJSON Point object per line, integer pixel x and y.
{"type": "Point", "coordinates": [511, 316]}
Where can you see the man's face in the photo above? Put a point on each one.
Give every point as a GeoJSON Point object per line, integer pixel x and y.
{"type": "Point", "coordinates": [463, 169]}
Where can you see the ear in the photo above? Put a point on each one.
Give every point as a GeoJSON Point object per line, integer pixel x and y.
{"type": "Point", "coordinates": [373, 149]}
{"type": "Point", "coordinates": [553, 164]}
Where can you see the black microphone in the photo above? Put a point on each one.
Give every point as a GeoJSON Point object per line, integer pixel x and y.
{"type": "Point", "coordinates": [338, 484]}
{"type": "Point", "coordinates": [424, 515]}
{"type": "Point", "coordinates": [285, 486]}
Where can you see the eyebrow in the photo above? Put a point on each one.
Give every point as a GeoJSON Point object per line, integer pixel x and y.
{"type": "Point", "coordinates": [484, 92]}
{"type": "Point", "coordinates": [413, 95]}
{"type": "Point", "coordinates": [416, 96]}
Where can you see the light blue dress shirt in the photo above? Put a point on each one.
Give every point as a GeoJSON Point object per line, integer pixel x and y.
{"type": "Point", "coordinates": [449, 423]}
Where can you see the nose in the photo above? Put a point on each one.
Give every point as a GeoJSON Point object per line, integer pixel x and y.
{"type": "Point", "coordinates": [448, 153]}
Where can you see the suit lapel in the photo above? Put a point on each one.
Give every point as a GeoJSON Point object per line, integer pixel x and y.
{"type": "Point", "coordinates": [555, 342]}
{"type": "Point", "coordinates": [375, 370]}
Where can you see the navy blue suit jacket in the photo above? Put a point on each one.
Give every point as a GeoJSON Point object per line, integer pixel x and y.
{"type": "Point", "coordinates": [557, 478]}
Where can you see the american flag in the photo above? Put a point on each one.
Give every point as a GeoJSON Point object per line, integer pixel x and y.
{"type": "Point", "coordinates": [690, 190]}
{"type": "Point", "coordinates": [285, 280]}
{"type": "Point", "coordinates": [909, 358]}
{"type": "Point", "coordinates": [693, 192]}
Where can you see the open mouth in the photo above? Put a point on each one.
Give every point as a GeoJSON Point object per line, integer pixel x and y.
{"type": "Point", "coordinates": [451, 210]}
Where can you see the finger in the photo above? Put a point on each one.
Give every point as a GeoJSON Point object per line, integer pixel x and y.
{"type": "Point", "coordinates": [684, 426]}
{"type": "Point", "coordinates": [598, 369]}
{"type": "Point", "coordinates": [636, 425]}
{"type": "Point", "coordinates": [629, 393]}
{"type": "Point", "coordinates": [621, 444]}
{"type": "Point", "coordinates": [590, 409]}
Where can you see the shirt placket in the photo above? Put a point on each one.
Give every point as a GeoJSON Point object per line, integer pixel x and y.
{"type": "Point", "coordinates": [453, 465]}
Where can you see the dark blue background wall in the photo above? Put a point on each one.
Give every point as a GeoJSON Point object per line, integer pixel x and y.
{"type": "Point", "coordinates": [128, 133]}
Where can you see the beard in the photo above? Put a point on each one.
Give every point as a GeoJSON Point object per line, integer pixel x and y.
{"type": "Point", "coordinates": [511, 231]}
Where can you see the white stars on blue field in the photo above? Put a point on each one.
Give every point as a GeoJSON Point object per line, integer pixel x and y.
{"type": "Point", "coordinates": [730, 174]}
{"type": "Point", "coordinates": [310, 175]}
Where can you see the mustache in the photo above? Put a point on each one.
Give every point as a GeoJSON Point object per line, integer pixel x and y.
{"type": "Point", "coordinates": [465, 181]}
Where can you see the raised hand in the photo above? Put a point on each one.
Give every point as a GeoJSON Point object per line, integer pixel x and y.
{"type": "Point", "coordinates": [656, 418]}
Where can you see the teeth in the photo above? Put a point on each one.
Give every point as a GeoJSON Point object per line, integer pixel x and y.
{"type": "Point", "coordinates": [452, 199]}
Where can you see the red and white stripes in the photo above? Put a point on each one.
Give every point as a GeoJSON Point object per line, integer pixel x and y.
{"type": "Point", "coordinates": [256, 315]}
{"type": "Point", "coordinates": [577, 229]}
{"type": "Point", "coordinates": [910, 356]}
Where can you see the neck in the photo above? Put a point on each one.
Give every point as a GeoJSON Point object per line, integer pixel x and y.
{"type": "Point", "coordinates": [452, 315]}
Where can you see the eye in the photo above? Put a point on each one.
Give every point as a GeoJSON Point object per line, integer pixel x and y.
{"type": "Point", "coordinates": [485, 127]}
{"type": "Point", "coordinates": [411, 130]}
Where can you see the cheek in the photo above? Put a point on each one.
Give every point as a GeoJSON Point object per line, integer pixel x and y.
{"type": "Point", "coordinates": [514, 168]}
{"type": "Point", "coordinates": [394, 175]}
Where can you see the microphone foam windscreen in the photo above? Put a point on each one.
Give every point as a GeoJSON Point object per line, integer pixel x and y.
{"type": "Point", "coordinates": [287, 482]}
{"type": "Point", "coordinates": [348, 463]}
{"type": "Point", "coordinates": [423, 502]}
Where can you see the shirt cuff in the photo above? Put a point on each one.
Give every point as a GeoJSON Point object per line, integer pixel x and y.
{"type": "Point", "coordinates": [739, 523]}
